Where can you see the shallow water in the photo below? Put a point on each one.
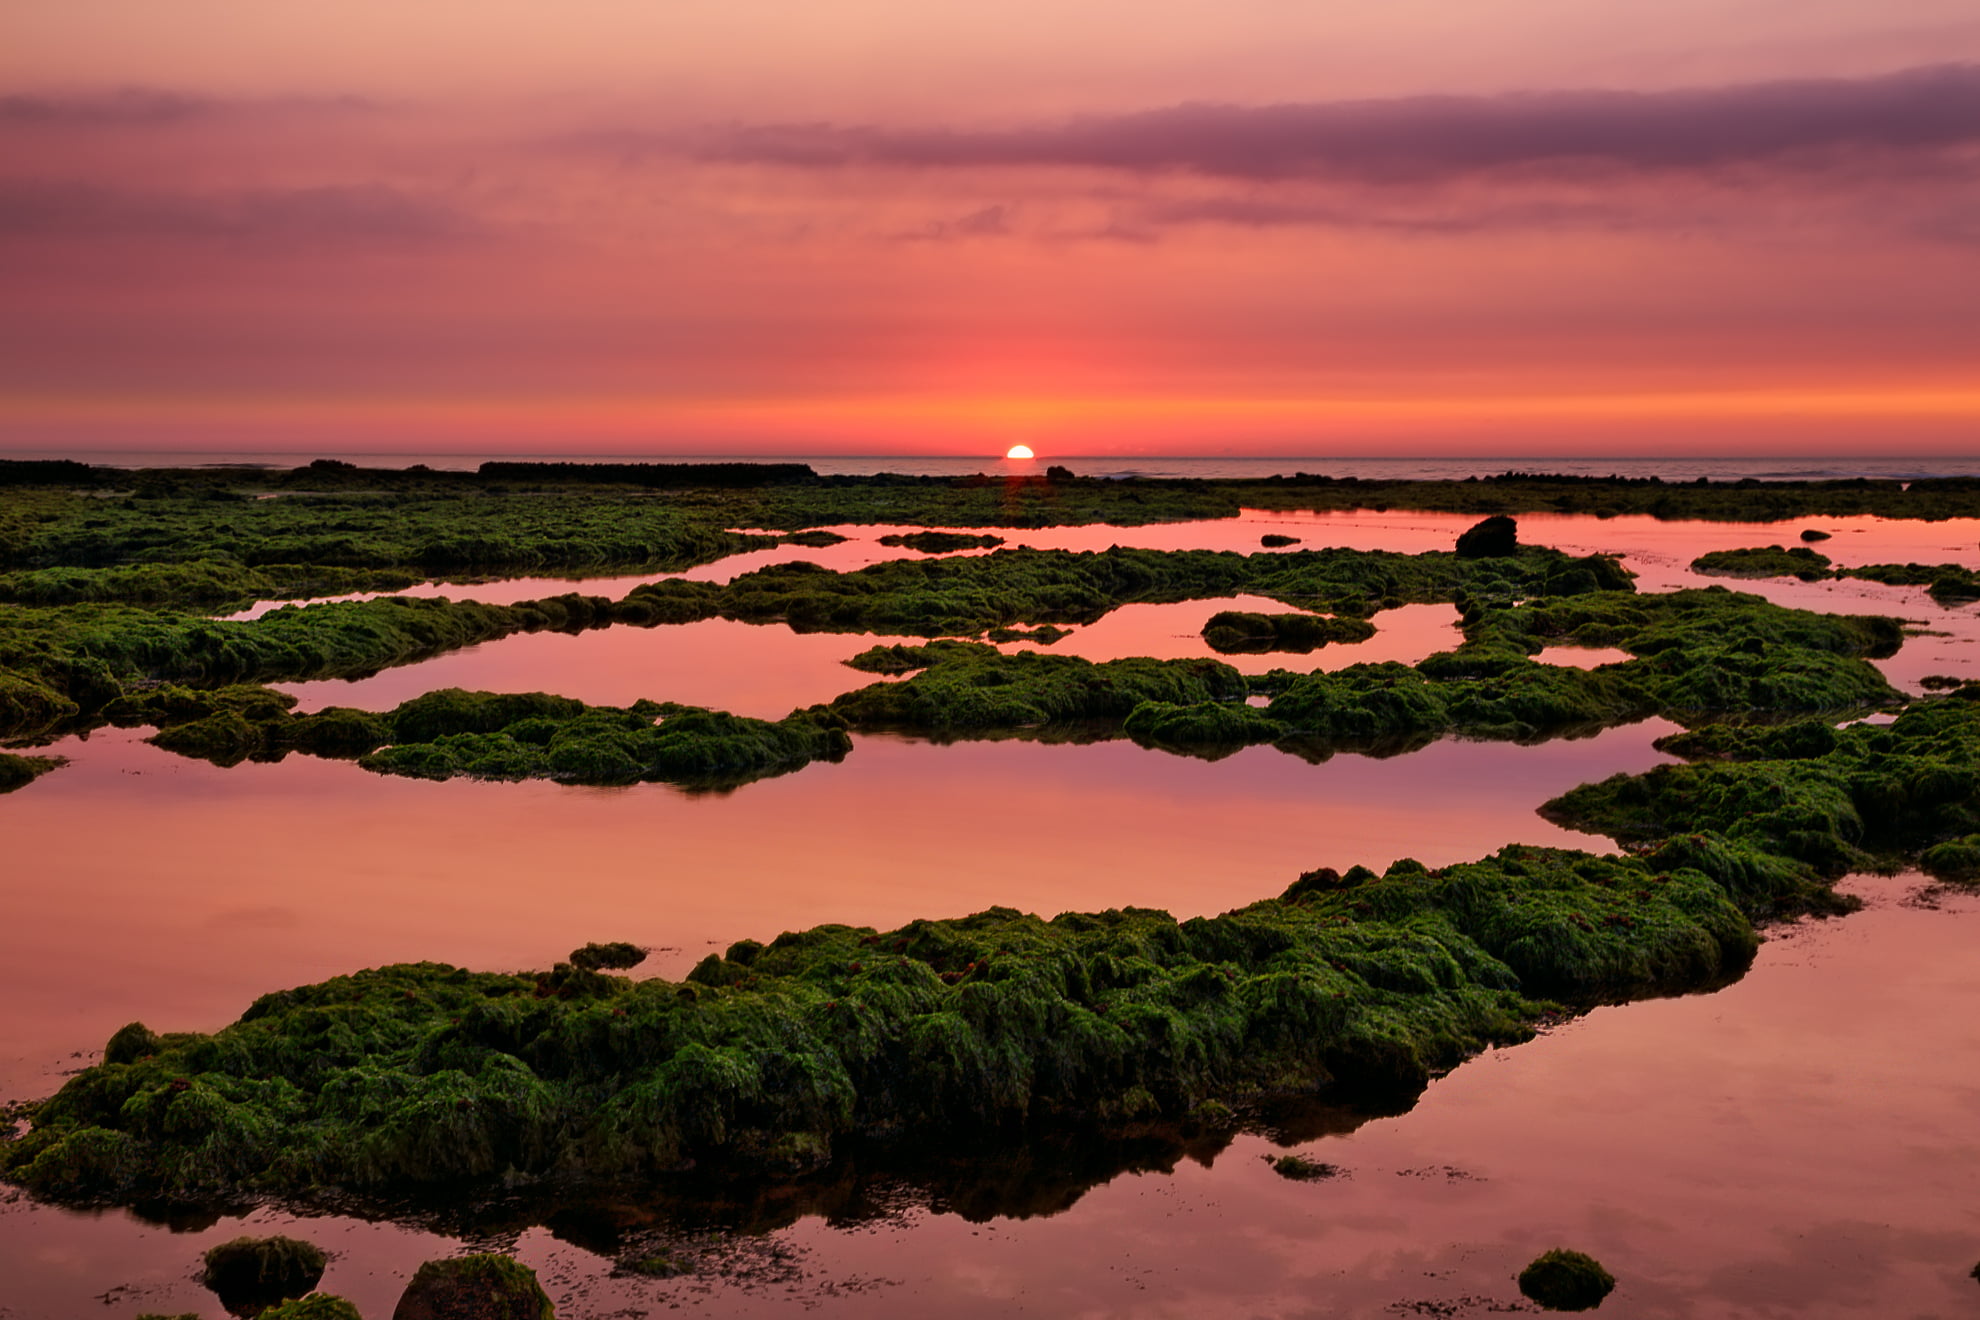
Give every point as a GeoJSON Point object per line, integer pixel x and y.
{"type": "Point", "coordinates": [1801, 1143]}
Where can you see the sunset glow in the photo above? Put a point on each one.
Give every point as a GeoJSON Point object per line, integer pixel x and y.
{"type": "Point", "coordinates": [1019, 451]}
{"type": "Point", "coordinates": [877, 228]}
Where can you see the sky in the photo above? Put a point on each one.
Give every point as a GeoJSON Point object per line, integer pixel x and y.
{"type": "Point", "coordinates": [873, 226]}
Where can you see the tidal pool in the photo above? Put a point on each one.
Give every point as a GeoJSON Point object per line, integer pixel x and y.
{"type": "Point", "coordinates": [1802, 1143]}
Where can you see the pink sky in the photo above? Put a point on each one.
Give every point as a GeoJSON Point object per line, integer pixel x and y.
{"type": "Point", "coordinates": [1535, 226]}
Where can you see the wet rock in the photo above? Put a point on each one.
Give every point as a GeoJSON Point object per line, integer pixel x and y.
{"type": "Point", "coordinates": [1813, 534]}
{"type": "Point", "coordinates": [1494, 538]}
{"type": "Point", "coordinates": [249, 1274]}
{"type": "Point", "coordinates": [486, 1287]}
{"type": "Point", "coordinates": [1275, 540]}
{"type": "Point", "coordinates": [1566, 1281]}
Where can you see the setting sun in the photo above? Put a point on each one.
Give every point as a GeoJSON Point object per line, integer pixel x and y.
{"type": "Point", "coordinates": [1019, 451]}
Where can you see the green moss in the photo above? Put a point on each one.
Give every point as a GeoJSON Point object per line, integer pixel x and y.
{"type": "Point", "coordinates": [942, 543]}
{"type": "Point", "coordinates": [969, 686]}
{"type": "Point", "coordinates": [1298, 1168]}
{"type": "Point", "coordinates": [1240, 631]}
{"type": "Point", "coordinates": [1765, 561]}
{"type": "Point", "coordinates": [1825, 800]}
{"type": "Point", "coordinates": [767, 1058]}
{"type": "Point", "coordinates": [1955, 859]}
{"type": "Point", "coordinates": [617, 956]}
{"type": "Point", "coordinates": [486, 1287]}
{"type": "Point", "coordinates": [249, 1274]}
{"type": "Point", "coordinates": [316, 1306]}
{"type": "Point", "coordinates": [1948, 584]}
{"type": "Point", "coordinates": [20, 771]}
{"type": "Point", "coordinates": [1566, 1281]}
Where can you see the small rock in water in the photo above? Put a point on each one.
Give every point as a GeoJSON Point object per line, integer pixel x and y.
{"type": "Point", "coordinates": [1811, 534]}
{"type": "Point", "coordinates": [1566, 1281]}
{"type": "Point", "coordinates": [251, 1274]}
{"type": "Point", "coordinates": [486, 1287]}
{"type": "Point", "coordinates": [1494, 538]}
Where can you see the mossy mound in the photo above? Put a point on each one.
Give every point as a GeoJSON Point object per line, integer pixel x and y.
{"type": "Point", "coordinates": [1947, 584]}
{"type": "Point", "coordinates": [767, 1058]}
{"type": "Point", "coordinates": [617, 956]}
{"type": "Point", "coordinates": [942, 543]}
{"type": "Point", "coordinates": [1765, 561]}
{"type": "Point", "coordinates": [969, 685]}
{"type": "Point", "coordinates": [316, 1306]}
{"type": "Point", "coordinates": [250, 1274]}
{"type": "Point", "coordinates": [509, 737]}
{"type": "Point", "coordinates": [1825, 800]}
{"type": "Point", "coordinates": [1566, 1281]}
{"type": "Point", "coordinates": [483, 1287]}
{"type": "Point", "coordinates": [1235, 632]}
{"type": "Point", "coordinates": [20, 771]}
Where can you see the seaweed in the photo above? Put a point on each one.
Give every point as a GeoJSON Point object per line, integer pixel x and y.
{"type": "Point", "coordinates": [314, 1306]}
{"type": "Point", "coordinates": [20, 771]}
{"type": "Point", "coordinates": [769, 1058]}
{"type": "Point", "coordinates": [1233, 632]}
{"type": "Point", "coordinates": [942, 543]}
{"type": "Point", "coordinates": [251, 1274]}
{"type": "Point", "coordinates": [1765, 561]}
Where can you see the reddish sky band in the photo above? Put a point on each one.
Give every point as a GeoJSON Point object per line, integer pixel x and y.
{"type": "Point", "coordinates": [1372, 226]}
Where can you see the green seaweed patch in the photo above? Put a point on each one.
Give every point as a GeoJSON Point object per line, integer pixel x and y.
{"type": "Point", "coordinates": [1298, 1168]}
{"type": "Point", "coordinates": [971, 686]}
{"type": "Point", "coordinates": [250, 1274]}
{"type": "Point", "coordinates": [1566, 1281]}
{"type": "Point", "coordinates": [535, 736]}
{"type": "Point", "coordinates": [771, 1058]}
{"type": "Point", "coordinates": [1765, 561]}
{"type": "Point", "coordinates": [1233, 632]}
{"type": "Point", "coordinates": [315, 1306]}
{"type": "Point", "coordinates": [19, 771]}
{"type": "Point", "coordinates": [942, 543]}
{"type": "Point", "coordinates": [616, 956]}
{"type": "Point", "coordinates": [1947, 584]}
{"type": "Point", "coordinates": [1860, 797]}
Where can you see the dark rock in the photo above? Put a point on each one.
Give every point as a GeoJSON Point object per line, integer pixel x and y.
{"type": "Point", "coordinates": [1811, 534]}
{"type": "Point", "coordinates": [1495, 538]}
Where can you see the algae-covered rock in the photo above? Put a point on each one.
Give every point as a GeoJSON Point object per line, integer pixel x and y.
{"type": "Point", "coordinates": [1566, 1281]}
{"type": "Point", "coordinates": [942, 543]}
{"type": "Point", "coordinates": [1496, 537]}
{"type": "Point", "coordinates": [20, 771]}
{"type": "Point", "coordinates": [131, 1042]}
{"type": "Point", "coordinates": [616, 956]}
{"type": "Point", "coordinates": [1956, 859]}
{"type": "Point", "coordinates": [484, 1287]}
{"type": "Point", "coordinates": [1244, 631]}
{"type": "Point", "coordinates": [250, 1274]}
{"type": "Point", "coordinates": [1277, 540]}
{"type": "Point", "coordinates": [1765, 561]}
{"type": "Point", "coordinates": [316, 1306]}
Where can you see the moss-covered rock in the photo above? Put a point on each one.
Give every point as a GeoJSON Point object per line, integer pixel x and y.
{"type": "Point", "coordinates": [942, 543]}
{"type": "Point", "coordinates": [1765, 561]}
{"type": "Point", "coordinates": [1496, 537]}
{"type": "Point", "coordinates": [1566, 1281]}
{"type": "Point", "coordinates": [316, 1306]}
{"type": "Point", "coordinates": [250, 1274]}
{"type": "Point", "coordinates": [616, 956]}
{"type": "Point", "coordinates": [1245, 632]}
{"type": "Point", "coordinates": [483, 1287]}
{"type": "Point", "coordinates": [1298, 1168]}
{"type": "Point", "coordinates": [20, 771]}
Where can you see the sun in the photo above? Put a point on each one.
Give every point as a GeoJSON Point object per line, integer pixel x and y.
{"type": "Point", "coordinates": [1019, 451]}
